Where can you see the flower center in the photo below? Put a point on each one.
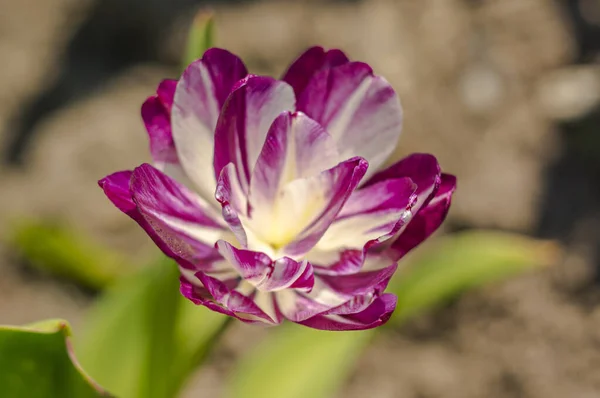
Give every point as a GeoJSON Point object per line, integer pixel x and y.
{"type": "Point", "coordinates": [295, 208]}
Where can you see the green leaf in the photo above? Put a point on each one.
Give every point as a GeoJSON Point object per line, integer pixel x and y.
{"type": "Point", "coordinates": [444, 268]}
{"type": "Point", "coordinates": [200, 37]}
{"type": "Point", "coordinates": [69, 254]}
{"type": "Point", "coordinates": [196, 333]}
{"type": "Point", "coordinates": [36, 362]}
{"type": "Point", "coordinates": [298, 362]}
{"type": "Point", "coordinates": [143, 338]}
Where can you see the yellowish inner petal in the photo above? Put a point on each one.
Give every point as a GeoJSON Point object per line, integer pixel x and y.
{"type": "Point", "coordinates": [298, 204]}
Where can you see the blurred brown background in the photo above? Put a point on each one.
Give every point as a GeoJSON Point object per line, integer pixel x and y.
{"type": "Point", "coordinates": [506, 93]}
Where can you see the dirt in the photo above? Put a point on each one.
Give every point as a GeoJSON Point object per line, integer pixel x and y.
{"type": "Point", "coordinates": [469, 74]}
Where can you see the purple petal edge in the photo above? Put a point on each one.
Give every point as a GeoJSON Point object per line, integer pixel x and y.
{"type": "Point", "coordinates": [377, 314]}
{"type": "Point", "coordinates": [427, 220]}
{"type": "Point", "coordinates": [313, 60]}
{"type": "Point", "coordinates": [116, 189]}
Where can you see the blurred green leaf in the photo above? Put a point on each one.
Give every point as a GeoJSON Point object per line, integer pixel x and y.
{"type": "Point", "coordinates": [66, 253]}
{"type": "Point", "coordinates": [444, 268]}
{"type": "Point", "coordinates": [36, 362]}
{"type": "Point", "coordinates": [298, 362]}
{"type": "Point", "coordinates": [200, 37]}
{"type": "Point", "coordinates": [143, 338]}
{"type": "Point", "coordinates": [196, 332]}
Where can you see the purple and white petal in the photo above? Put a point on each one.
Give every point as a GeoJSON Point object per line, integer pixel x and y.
{"type": "Point", "coordinates": [334, 262]}
{"type": "Point", "coordinates": [325, 303]}
{"type": "Point", "coordinates": [166, 93]}
{"type": "Point", "coordinates": [267, 303]}
{"type": "Point", "coordinates": [245, 120]}
{"type": "Point", "coordinates": [234, 208]}
{"type": "Point", "coordinates": [427, 220]}
{"type": "Point", "coordinates": [226, 298]}
{"type": "Point", "coordinates": [358, 290]}
{"type": "Point", "coordinates": [370, 216]}
{"type": "Point", "coordinates": [361, 111]}
{"type": "Point", "coordinates": [116, 188]}
{"type": "Point", "coordinates": [183, 220]}
{"type": "Point", "coordinates": [199, 97]}
{"type": "Point", "coordinates": [229, 190]}
{"type": "Point", "coordinates": [287, 273]}
{"type": "Point", "coordinates": [366, 282]}
{"type": "Point", "coordinates": [239, 300]}
{"type": "Point", "coordinates": [267, 275]}
{"type": "Point", "coordinates": [308, 206]}
{"type": "Point", "coordinates": [288, 154]}
{"type": "Point", "coordinates": [253, 267]}
{"type": "Point", "coordinates": [216, 267]}
{"type": "Point", "coordinates": [377, 314]}
{"type": "Point", "coordinates": [383, 207]}
{"type": "Point", "coordinates": [422, 168]}
{"type": "Point", "coordinates": [158, 124]}
{"type": "Point", "coordinates": [199, 295]}
{"type": "Point", "coordinates": [298, 307]}
{"type": "Point", "coordinates": [313, 60]}
{"type": "Point", "coordinates": [233, 202]}
{"type": "Point", "coordinates": [156, 114]}
{"type": "Point", "coordinates": [287, 176]}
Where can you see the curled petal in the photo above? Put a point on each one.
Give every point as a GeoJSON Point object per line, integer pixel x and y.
{"type": "Point", "coordinates": [287, 185]}
{"type": "Point", "coordinates": [266, 302]}
{"type": "Point", "coordinates": [359, 288]}
{"type": "Point", "coordinates": [245, 120]}
{"type": "Point", "coordinates": [234, 209]}
{"type": "Point", "coordinates": [199, 97]}
{"type": "Point", "coordinates": [371, 215]}
{"type": "Point", "coordinates": [158, 124]}
{"type": "Point", "coordinates": [324, 306]}
{"type": "Point", "coordinates": [361, 111]}
{"type": "Point", "coordinates": [387, 195]}
{"type": "Point", "coordinates": [156, 114]}
{"type": "Point", "coordinates": [183, 221]}
{"type": "Point", "coordinates": [298, 307]}
{"type": "Point", "coordinates": [116, 188]}
{"type": "Point", "coordinates": [200, 296]}
{"type": "Point", "coordinates": [361, 283]}
{"type": "Point", "coordinates": [423, 169]}
{"type": "Point", "coordinates": [216, 267]}
{"type": "Point", "coordinates": [427, 220]}
{"type": "Point", "coordinates": [267, 275]}
{"type": "Point", "coordinates": [337, 262]}
{"type": "Point", "coordinates": [288, 273]}
{"type": "Point", "coordinates": [229, 297]}
{"type": "Point", "coordinates": [313, 60]}
{"type": "Point", "coordinates": [229, 190]}
{"type": "Point", "coordinates": [233, 202]}
{"type": "Point", "coordinates": [288, 154]}
{"type": "Point", "coordinates": [252, 266]}
{"type": "Point", "coordinates": [166, 93]}
{"type": "Point", "coordinates": [376, 314]}
{"type": "Point", "coordinates": [331, 188]}
{"type": "Point", "coordinates": [325, 299]}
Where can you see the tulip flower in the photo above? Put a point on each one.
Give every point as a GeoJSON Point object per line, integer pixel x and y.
{"type": "Point", "coordinates": [268, 194]}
